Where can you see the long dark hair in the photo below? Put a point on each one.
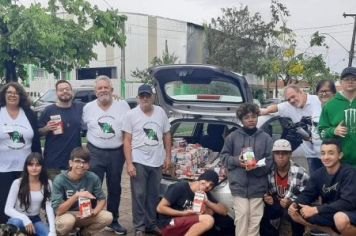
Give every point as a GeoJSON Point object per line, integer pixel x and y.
{"type": "Point", "coordinates": [24, 191]}
{"type": "Point", "coordinates": [24, 100]}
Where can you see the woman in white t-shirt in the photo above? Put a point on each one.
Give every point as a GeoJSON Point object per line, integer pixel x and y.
{"type": "Point", "coordinates": [28, 195]}
{"type": "Point", "coordinates": [18, 137]}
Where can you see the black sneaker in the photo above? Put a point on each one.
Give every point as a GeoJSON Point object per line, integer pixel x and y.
{"type": "Point", "coordinates": [154, 231]}
{"type": "Point", "coordinates": [117, 228]}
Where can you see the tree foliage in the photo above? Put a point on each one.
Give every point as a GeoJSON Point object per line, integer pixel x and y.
{"type": "Point", "coordinates": [166, 59]}
{"type": "Point", "coordinates": [243, 42]}
{"type": "Point", "coordinates": [237, 39]}
{"type": "Point", "coordinates": [60, 37]}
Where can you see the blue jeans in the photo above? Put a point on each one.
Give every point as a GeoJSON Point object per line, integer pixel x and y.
{"type": "Point", "coordinates": [40, 227]}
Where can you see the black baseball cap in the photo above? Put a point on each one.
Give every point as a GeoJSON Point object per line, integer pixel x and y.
{"type": "Point", "coordinates": [348, 71]}
{"type": "Point", "coordinates": [145, 88]}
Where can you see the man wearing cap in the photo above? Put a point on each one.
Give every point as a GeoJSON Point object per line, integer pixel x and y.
{"type": "Point", "coordinates": [286, 180]}
{"type": "Point", "coordinates": [147, 146]}
{"type": "Point", "coordinates": [338, 117]}
{"type": "Point", "coordinates": [176, 216]}
{"type": "Point", "coordinates": [103, 118]}
{"type": "Point", "coordinates": [73, 185]}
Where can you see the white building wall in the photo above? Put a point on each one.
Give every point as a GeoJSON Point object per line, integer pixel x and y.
{"type": "Point", "coordinates": [136, 51]}
{"type": "Point", "coordinates": [175, 32]}
{"type": "Point", "coordinates": [101, 56]}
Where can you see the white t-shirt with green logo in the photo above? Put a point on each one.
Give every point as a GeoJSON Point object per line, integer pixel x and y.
{"type": "Point", "coordinates": [15, 140]}
{"type": "Point", "coordinates": [147, 135]}
{"type": "Point", "coordinates": [105, 127]}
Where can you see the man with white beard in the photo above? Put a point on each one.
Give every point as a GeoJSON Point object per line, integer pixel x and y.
{"type": "Point", "coordinates": [103, 118]}
{"type": "Point", "coordinates": [60, 123]}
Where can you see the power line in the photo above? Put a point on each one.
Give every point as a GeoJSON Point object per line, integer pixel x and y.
{"type": "Point", "coordinates": [323, 27]}
{"type": "Point", "coordinates": [108, 4]}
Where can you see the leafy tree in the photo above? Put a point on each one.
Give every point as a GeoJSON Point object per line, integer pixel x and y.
{"type": "Point", "coordinates": [281, 62]}
{"type": "Point", "coordinates": [166, 59]}
{"type": "Point", "coordinates": [237, 39]}
{"type": "Point", "coordinates": [39, 36]}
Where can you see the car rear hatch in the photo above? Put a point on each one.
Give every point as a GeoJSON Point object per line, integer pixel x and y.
{"type": "Point", "coordinates": [203, 90]}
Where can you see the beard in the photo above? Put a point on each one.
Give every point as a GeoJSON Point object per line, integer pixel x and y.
{"type": "Point", "coordinates": [65, 99]}
{"type": "Point", "coordinates": [105, 99]}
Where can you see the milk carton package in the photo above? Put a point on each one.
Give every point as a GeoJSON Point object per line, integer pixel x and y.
{"type": "Point", "coordinates": [198, 202]}
{"type": "Point", "coordinates": [84, 207]}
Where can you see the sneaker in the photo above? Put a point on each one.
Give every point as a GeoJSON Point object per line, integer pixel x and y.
{"type": "Point", "coordinates": [154, 231]}
{"type": "Point", "coordinates": [315, 232]}
{"type": "Point", "coordinates": [117, 228]}
{"type": "Point", "coordinates": [140, 233]}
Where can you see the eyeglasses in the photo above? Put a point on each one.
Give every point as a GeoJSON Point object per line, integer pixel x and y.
{"type": "Point", "coordinates": [10, 93]}
{"type": "Point", "coordinates": [80, 162]}
{"type": "Point", "coordinates": [144, 95]}
{"type": "Point", "coordinates": [64, 89]}
{"type": "Point", "coordinates": [349, 78]}
{"type": "Point", "coordinates": [324, 92]}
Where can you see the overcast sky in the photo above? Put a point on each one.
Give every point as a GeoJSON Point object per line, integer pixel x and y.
{"type": "Point", "coordinates": [307, 16]}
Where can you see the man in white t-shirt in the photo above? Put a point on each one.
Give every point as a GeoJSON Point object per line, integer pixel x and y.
{"type": "Point", "coordinates": [147, 146]}
{"type": "Point", "coordinates": [103, 118]}
{"type": "Point", "coordinates": [299, 104]}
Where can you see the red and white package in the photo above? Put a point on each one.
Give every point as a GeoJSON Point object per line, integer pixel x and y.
{"type": "Point", "coordinates": [199, 203]}
{"type": "Point", "coordinates": [84, 207]}
{"type": "Point", "coordinates": [59, 123]}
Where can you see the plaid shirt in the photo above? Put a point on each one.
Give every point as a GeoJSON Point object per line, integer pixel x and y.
{"type": "Point", "coordinates": [297, 179]}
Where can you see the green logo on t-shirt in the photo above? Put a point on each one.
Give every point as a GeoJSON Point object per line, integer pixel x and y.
{"type": "Point", "coordinates": [106, 128]}
{"type": "Point", "coordinates": [17, 139]}
{"type": "Point", "coordinates": [151, 134]}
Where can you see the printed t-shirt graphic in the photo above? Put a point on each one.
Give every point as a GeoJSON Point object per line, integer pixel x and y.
{"type": "Point", "coordinates": [105, 124]}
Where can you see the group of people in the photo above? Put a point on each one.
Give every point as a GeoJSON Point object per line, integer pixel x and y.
{"type": "Point", "coordinates": [263, 193]}
{"type": "Point", "coordinates": [279, 188]}
{"type": "Point", "coordinates": [67, 173]}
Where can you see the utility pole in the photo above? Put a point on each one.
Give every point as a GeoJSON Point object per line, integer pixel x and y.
{"type": "Point", "coordinates": [351, 55]}
{"type": "Point", "coordinates": [122, 74]}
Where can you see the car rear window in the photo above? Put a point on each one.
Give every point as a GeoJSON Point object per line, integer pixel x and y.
{"type": "Point", "coordinates": [214, 91]}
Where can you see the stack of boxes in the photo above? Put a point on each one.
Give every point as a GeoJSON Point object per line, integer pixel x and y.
{"type": "Point", "coordinates": [191, 160]}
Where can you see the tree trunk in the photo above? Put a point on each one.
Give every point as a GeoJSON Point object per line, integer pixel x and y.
{"type": "Point", "coordinates": [10, 72]}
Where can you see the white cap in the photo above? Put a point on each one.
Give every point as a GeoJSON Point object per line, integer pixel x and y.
{"type": "Point", "coordinates": [282, 145]}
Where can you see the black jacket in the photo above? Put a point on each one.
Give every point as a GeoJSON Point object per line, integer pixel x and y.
{"type": "Point", "coordinates": [338, 192]}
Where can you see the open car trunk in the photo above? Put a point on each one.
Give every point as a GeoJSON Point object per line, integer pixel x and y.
{"type": "Point", "coordinates": [196, 145]}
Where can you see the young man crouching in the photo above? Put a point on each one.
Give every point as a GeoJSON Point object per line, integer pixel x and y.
{"type": "Point", "coordinates": [176, 216]}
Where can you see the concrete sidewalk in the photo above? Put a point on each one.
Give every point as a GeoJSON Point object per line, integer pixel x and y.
{"type": "Point", "coordinates": [125, 207]}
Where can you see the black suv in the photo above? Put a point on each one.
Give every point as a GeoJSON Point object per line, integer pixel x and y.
{"type": "Point", "coordinates": [82, 94]}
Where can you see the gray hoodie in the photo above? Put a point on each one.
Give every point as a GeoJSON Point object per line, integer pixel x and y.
{"type": "Point", "coordinates": [247, 184]}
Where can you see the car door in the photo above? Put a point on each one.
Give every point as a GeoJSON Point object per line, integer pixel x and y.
{"type": "Point", "coordinates": [273, 127]}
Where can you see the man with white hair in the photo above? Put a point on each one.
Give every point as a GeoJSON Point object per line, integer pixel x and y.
{"type": "Point", "coordinates": [300, 105]}
{"type": "Point", "coordinates": [103, 118]}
